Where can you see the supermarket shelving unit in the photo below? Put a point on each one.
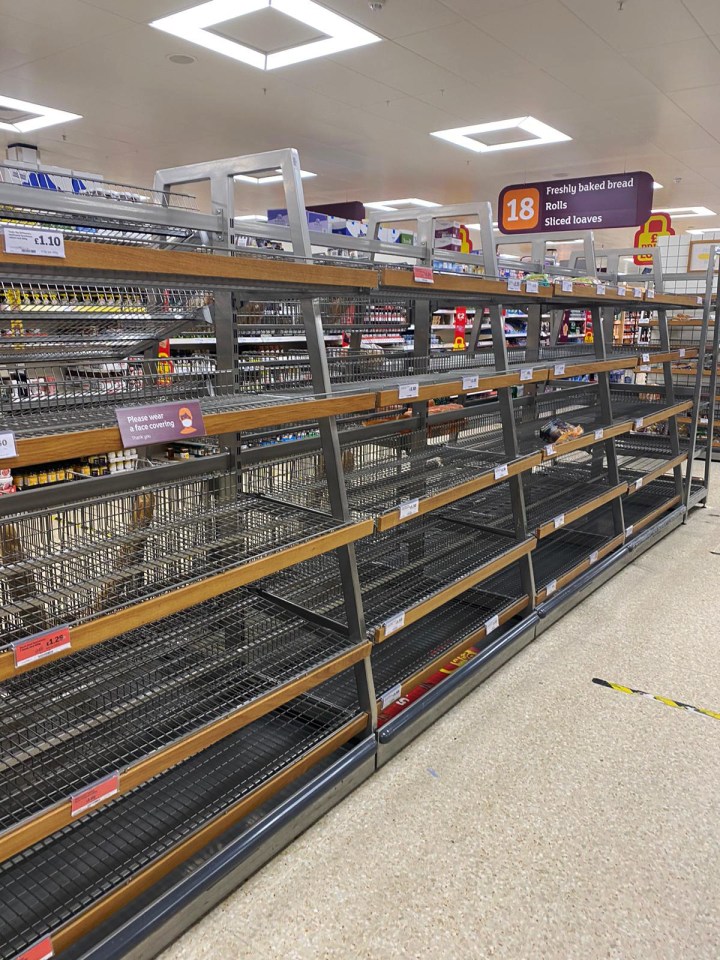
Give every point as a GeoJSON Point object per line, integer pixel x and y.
{"type": "Point", "coordinates": [248, 634]}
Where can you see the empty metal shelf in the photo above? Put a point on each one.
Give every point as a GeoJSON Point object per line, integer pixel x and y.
{"type": "Point", "coordinates": [58, 880]}
{"type": "Point", "coordinates": [74, 564]}
{"type": "Point", "coordinates": [108, 708]}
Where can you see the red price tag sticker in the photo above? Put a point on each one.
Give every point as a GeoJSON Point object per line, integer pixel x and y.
{"type": "Point", "coordinates": [423, 275]}
{"type": "Point", "coordinates": [42, 950]}
{"type": "Point", "coordinates": [94, 795]}
{"type": "Point", "coordinates": [41, 645]}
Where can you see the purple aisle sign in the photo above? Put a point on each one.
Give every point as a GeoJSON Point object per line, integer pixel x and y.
{"type": "Point", "coordinates": [160, 422]}
{"type": "Point", "coordinates": [582, 203]}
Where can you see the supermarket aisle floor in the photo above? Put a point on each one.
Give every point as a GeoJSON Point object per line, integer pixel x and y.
{"type": "Point", "coordinates": [545, 817]}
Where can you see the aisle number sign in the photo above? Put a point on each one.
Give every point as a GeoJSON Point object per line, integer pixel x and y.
{"type": "Point", "coordinates": [581, 203]}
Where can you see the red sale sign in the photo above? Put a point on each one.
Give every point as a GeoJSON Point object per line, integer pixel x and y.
{"type": "Point", "coordinates": [460, 325]}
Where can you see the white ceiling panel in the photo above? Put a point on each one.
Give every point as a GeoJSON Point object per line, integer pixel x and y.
{"type": "Point", "coordinates": [545, 31]}
{"type": "Point", "coordinates": [68, 21]}
{"type": "Point", "coordinates": [640, 23]}
{"type": "Point", "coordinates": [398, 17]}
{"type": "Point", "coordinates": [477, 55]}
{"type": "Point", "coordinates": [477, 11]}
{"type": "Point", "coordinates": [707, 13]}
{"type": "Point", "coordinates": [681, 65]}
{"type": "Point", "coordinates": [605, 78]}
{"type": "Point", "coordinates": [702, 104]}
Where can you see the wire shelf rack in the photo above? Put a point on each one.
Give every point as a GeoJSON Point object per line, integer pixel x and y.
{"type": "Point", "coordinates": [381, 474]}
{"type": "Point", "coordinates": [76, 563]}
{"type": "Point", "coordinates": [342, 314]}
{"type": "Point", "coordinates": [648, 499]}
{"type": "Point", "coordinates": [71, 321]}
{"type": "Point", "coordinates": [107, 708]}
{"type": "Point", "coordinates": [399, 570]}
{"type": "Point", "coordinates": [43, 399]}
{"type": "Point", "coordinates": [557, 556]}
{"type": "Point", "coordinates": [84, 187]}
{"type": "Point", "coordinates": [552, 491]}
{"type": "Point", "coordinates": [85, 862]}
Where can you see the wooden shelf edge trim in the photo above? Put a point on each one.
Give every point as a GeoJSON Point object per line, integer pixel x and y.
{"type": "Point", "coordinates": [82, 924]}
{"type": "Point", "coordinates": [64, 446]}
{"type": "Point", "coordinates": [587, 440]}
{"type": "Point", "coordinates": [159, 607]}
{"type": "Point", "coordinates": [31, 831]}
{"type": "Point", "coordinates": [203, 268]}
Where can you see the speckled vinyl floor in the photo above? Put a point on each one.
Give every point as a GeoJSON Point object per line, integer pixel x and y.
{"type": "Point", "coordinates": [544, 818]}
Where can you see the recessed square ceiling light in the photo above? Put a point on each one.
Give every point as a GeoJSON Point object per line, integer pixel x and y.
{"type": "Point", "coordinates": [275, 177]}
{"type": "Point", "coordinates": [657, 186]}
{"type": "Point", "coordinates": [391, 206]}
{"type": "Point", "coordinates": [679, 212]}
{"type": "Point", "coordinates": [38, 118]}
{"type": "Point", "coordinates": [706, 230]}
{"type": "Point", "coordinates": [340, 33]}
{"type": "Point", "coordinates": [540, 132]}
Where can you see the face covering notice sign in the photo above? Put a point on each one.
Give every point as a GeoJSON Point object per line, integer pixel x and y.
{"type": "Point", "coordinates": [160, 423]}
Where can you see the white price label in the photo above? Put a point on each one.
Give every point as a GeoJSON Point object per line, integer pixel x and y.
{"type": "Point", "coordinates": [391, 696]}
{"type": "Point", "coordinates": [551, 588]}
{"type": "Point", "coordinates": [559, 521]}
{"type": "Point", "coordinates": [645, 358]}
{"type": "Point", "coordinates": [470, 383]}
{"type": "Point", "coordinates": [594, 556]}
{"type": "Point", "coordinates": [637, 293]}
{"type": "Point", "coordinates": [638, 484]}
{"type": "Point", "coordinates": [559, 370]}
{"type": "Point", "coordinates": [409, 508]}
{"type": "Point", "coordinates": [394, 623]}
{"type": "Point", "coordinates": [408, 391]}
{"type": "Point", "coordinates": [514, 285]}
{"type": "Point", "coordinates": [650, 295]}
{"type": "Point", "coordinates": [621, 289]}
{"type": "Point", "coordinates": [638, 423]}
{"type": "Point", "coordinates": [600, 288]}
{"type": "Point", "coordinates": [526, 374]}
{"type": "Point", "coordinates": [681, 352]}
{"type": "Point", "coordinates": [550, 450]}
{"type": "Point", "coordinates": [567, 286]}
{"type": "Point", "coordinates": [532, 286]}
{"type": "Point", "coordinates": [34, 243]}
{"type": "Point", "coordinates": [501, 471]}
{"type": "Point", "coordinates": [700, 301]}
{"type": "Point", "coordinates": [492, 624]}
{"type": "Point", "coordinates": [599, 434]}
{"type": "Point", "coordinates": [7, 445]}
{"type": "Point", "coordinates": [628, 531]}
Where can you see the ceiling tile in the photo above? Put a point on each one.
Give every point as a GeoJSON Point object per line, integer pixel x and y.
{"type": "Point", "coordinates": [68, 22]}
{"type": "Point", "coordinates": [474, 54]}
{"type": "Point", "coordinates": [707, 12]}
{"type": "Point", "coordinates": [640, 23]}
{"type": "Point", "coordinates": [702, 104]}
{"type": "Point", "coordinates": [397, 18]}
{"type": "Point", "coordinates": [680, 65]}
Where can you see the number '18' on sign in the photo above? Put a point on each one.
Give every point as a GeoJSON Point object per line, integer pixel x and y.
{"type": "Point", "coordinates": [520, 209]}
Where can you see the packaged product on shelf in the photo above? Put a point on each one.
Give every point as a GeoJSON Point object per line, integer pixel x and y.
{"type": "Point", "coordinates": [7, 484]}
{"type": "Point", "coordinates": [556, 430]}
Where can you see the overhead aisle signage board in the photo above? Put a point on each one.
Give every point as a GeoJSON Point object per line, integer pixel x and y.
{"type": "Point", "coordinates": [583, 203]}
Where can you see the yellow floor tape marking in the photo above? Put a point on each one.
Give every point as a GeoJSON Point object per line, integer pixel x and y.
{"type": "Point", "coordinates": [666, 700]}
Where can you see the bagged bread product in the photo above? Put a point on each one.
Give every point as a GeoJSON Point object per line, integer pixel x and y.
{"type": "Point", "coordinates": [557, 430]}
